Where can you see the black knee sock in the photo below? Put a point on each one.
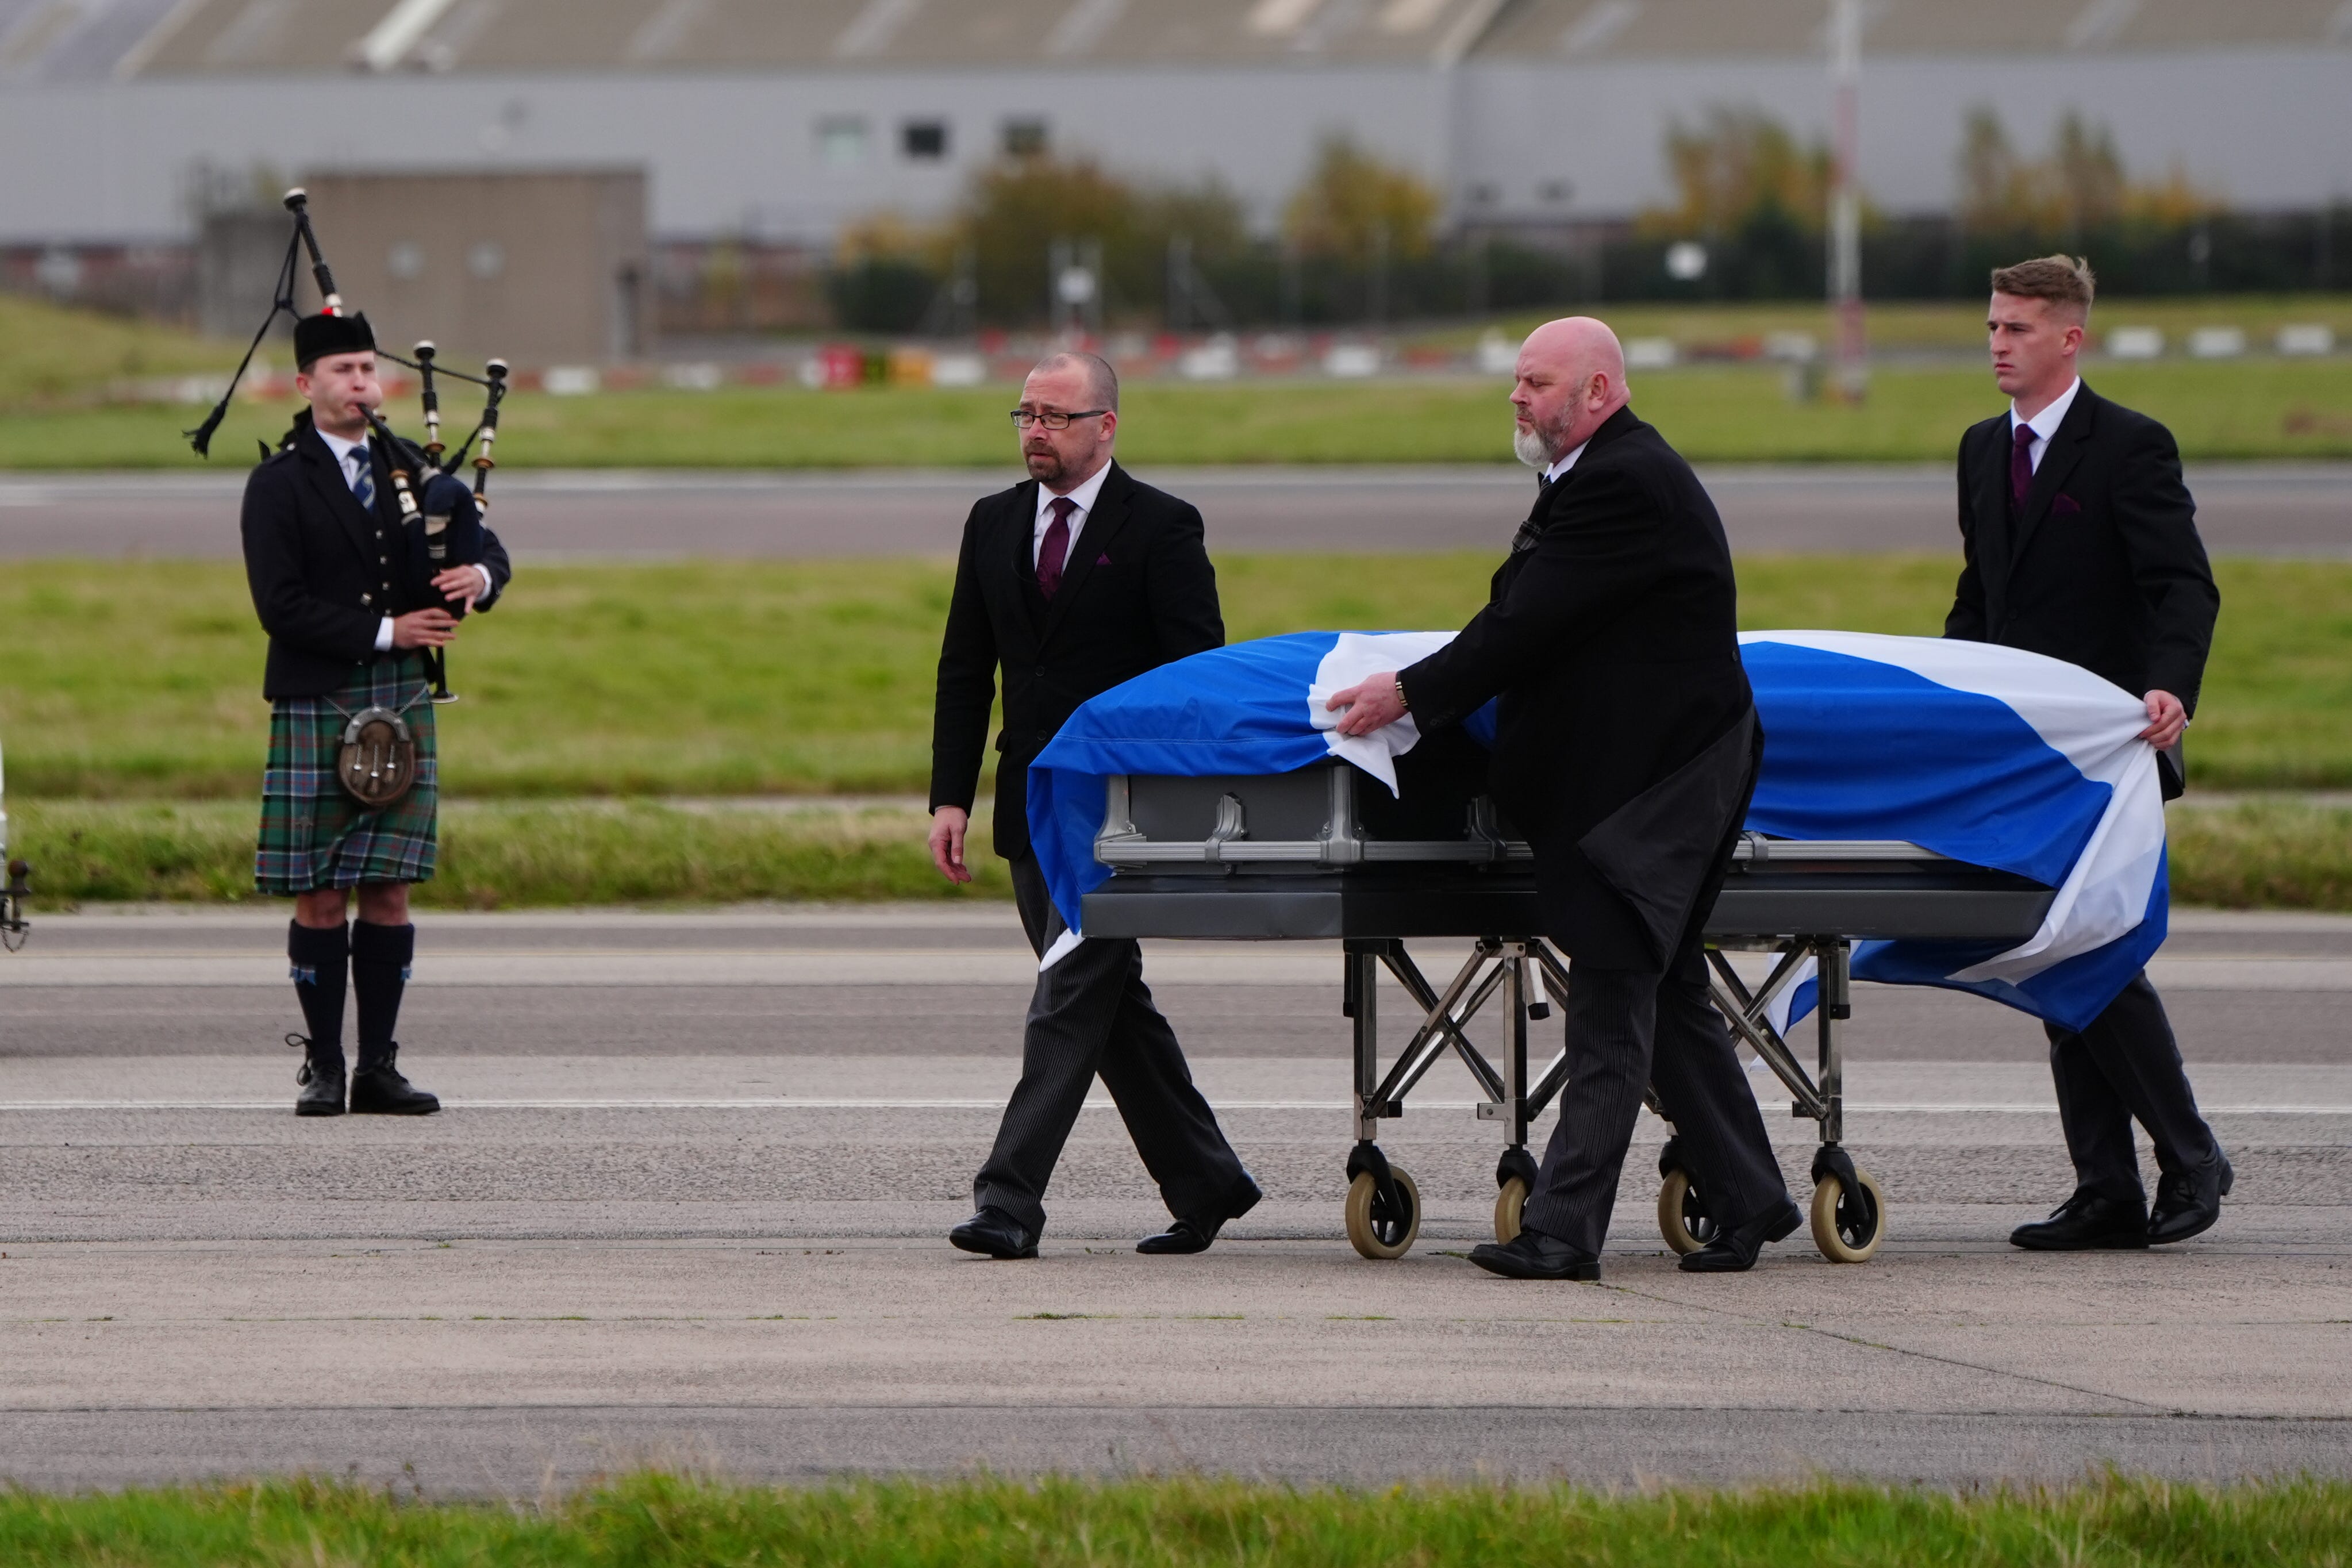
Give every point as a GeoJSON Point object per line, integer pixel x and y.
{"type": "Point", "coordinates": [380, 960]}
{"type": "Point", "coordinates": [317, 954]}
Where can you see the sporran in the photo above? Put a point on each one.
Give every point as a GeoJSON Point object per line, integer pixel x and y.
{"type": "Point", "coordinates": [376, 761]}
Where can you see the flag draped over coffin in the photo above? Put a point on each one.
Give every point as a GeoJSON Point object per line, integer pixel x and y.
{"type": "Point", "coordinates": [1988, 755]}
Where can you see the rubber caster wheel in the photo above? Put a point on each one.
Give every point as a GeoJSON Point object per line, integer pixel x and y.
{"type": "Point", "coordinates": [1372, 1229]}
{"type": "Point", "coordinates": [1509, 1204]}
{"type": "Point", "coordinates": [1683, 1219]}
{"type": "Point", "coordinates": [1848, 1227]}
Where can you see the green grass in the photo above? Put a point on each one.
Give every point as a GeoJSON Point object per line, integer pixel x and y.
{"type": "Point", "coordinates": [2261, 855]}
{"type": "Point", "coordinates": [662, 1522]}
{"type": "Point", "coordinates": [511, 855]}
{"type": "Point", "coordinates": [132, 679]}
{"type": "Point", "coordinates": [557, 854]}
{"type": "Point", "coordinates": [2256, 408]}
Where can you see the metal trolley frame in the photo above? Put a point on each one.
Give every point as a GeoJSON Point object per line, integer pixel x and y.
{"type": "Point", "coordinates": [1794, 900]}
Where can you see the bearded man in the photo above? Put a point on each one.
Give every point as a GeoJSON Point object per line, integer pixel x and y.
{"type": "Point", "coordinates": [1068, 583]}
{"type": "Point", "coordinates": [1626, 746]}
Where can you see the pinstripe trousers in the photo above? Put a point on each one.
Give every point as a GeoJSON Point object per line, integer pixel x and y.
{"type": "Point", "coordinates": [1626, 1030]}
{"type": "Point", "coordinates": [1091, 1013]}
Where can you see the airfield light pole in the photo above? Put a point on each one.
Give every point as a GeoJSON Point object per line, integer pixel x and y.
{"type": "Point", "coordinates": [1845, 198]}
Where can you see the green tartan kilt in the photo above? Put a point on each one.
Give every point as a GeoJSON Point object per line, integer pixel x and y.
{"type": "Point", "coordinates": [315, 836]}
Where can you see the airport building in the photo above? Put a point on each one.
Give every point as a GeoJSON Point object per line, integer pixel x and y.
{"type": "Point", "coordinates": [778, 120]}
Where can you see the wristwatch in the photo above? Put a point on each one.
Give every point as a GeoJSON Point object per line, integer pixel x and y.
{"type": "Point", "coordinates": [1403, 705]}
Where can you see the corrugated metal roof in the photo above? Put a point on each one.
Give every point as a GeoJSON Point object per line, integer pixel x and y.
{"type": "Point", "coordinates": [48, 38]}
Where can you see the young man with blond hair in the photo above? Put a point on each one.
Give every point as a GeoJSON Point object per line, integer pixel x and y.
{"type": "Point", "coordinates": [2081, 543]}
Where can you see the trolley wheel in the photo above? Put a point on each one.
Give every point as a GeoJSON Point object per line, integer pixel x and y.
{"type": "Point", "coordinates": [1373, 1228]}
{"type": "Point", "coordinates": [1683, 1219]}
{"type": "Point", "coordinates": [1848, 1227]}
{"type": "Point", "coordinates": [1508, 1204]}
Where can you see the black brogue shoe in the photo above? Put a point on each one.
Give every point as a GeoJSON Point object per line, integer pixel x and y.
{"type": "Point", "coordinates": [379, 1090]}
{"type": "Point", "coordinates": [319, 1079]}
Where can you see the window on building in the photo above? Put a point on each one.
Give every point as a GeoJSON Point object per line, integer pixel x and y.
{"type": "Point", "coordinates": [924, 139]}
{"type": "Point", "coordinates": [1024, 138]}
{"type": "Point", "coordinates": [841, 141]}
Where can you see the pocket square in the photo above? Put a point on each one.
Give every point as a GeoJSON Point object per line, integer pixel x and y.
{"type": "Point", "coordinates": [2065, 506]}
{"type": "Point", "coordinates": [1102, 560]}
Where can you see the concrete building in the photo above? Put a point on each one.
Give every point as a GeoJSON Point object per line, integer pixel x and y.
{"type": "Point", "coordinates": [783, 118]}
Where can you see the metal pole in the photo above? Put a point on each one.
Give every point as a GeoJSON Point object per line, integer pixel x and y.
{"type": "Point", "coordinates": [1845, 197]}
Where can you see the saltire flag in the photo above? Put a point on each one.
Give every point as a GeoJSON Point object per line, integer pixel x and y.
{"type": "Point", "coordinates": [1989, 755]}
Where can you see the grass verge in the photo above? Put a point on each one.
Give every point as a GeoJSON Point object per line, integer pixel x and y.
{"type": "Point", "coordinates": [661, 1522]}
{"type": "Point", "coordinates": [2261, 855]}
{"type": "Point", "coordinates": [2224, 410]}
{"type": "Point", "coordinates": [513, 855]}
{"type": "Point", "coordinates": [140, 679]}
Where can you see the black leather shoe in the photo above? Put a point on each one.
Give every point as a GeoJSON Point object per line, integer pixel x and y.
{"type": "Point", "coordinates": [320, 1078]}
{"type": "Point", "coordinates": [1734, 1251]}
{"type": "Point", "coordinates": [2189, 1202]}
{"type": "Point", "coordinates": [378, 1089]}
{"type": "Point", "coordinates": [2086, 1223]}
{"type": "Point", "coordinates": [995, 1233]}
{"type": "Point", "coordinates": [1532, 1255]}
{"type": "Point", "coordinates": [1193, 1233]}
{"type": "Point", "coordinates": [1184, 1236]}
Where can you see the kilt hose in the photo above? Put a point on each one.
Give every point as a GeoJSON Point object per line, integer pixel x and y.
{"type": "Point", "coordinates": [315, 836]}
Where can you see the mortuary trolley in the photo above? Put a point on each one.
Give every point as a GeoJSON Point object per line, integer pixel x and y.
{"type": "Point", "coordinates": [1326, 853]}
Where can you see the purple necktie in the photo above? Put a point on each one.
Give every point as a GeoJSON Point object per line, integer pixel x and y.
{"type": "Point", "coordinates": [1051, 554]}
{"type": "Point", "coordinates": [2020, 466]}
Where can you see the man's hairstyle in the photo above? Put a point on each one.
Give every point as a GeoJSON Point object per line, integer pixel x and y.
{"type": "Point", "coordinates": [2065, 280]}
{"type": "Point", "coordinates": [1102, 381]}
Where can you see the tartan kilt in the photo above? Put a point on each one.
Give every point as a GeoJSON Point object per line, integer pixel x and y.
{"type": "Point", "coordinates": [315, 836]}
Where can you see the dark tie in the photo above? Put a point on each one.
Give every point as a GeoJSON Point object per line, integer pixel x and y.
{"type": "Point", "coordinates": [2020, 466]}
{"type": "Point", "coordinates": [1051, 553]}
{"type": "Point", "coordinates": [363, 482]}
{"type": "Point", "coordinates": [1532, 530]}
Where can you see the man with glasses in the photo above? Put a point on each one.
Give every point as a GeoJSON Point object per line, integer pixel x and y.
{"type": "Point", "coordinates": [1071, 582]}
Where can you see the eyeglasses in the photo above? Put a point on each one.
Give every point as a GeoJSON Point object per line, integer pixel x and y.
{"type": "Point", "coordinates": [1023, 419]}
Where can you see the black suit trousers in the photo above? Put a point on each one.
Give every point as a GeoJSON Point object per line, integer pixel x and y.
{"type": "Point", "coordinates": [1092, 1014]}
{"type": "Point", "coordinates": [1628, 1030]}
{"type": "Point", "coordinates": [2127, 1066]}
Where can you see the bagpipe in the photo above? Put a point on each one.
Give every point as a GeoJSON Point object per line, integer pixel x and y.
{"type": "Point", "coordinates": [440, 513]}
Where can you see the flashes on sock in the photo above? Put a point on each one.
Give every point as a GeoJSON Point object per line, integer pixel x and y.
{"type": "Point", "coordinates": [316, 956]}
{"type": "Point", "coordinates": [380, 961]}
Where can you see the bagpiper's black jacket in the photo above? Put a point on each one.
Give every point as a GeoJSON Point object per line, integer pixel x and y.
{"type": "Point", "coordinates": [324, 570]}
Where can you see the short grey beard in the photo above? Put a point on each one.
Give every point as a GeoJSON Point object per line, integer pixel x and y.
{"type": "Point", "coordinates": [1530, 448]}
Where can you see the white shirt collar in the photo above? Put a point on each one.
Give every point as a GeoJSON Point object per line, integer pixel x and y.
{"type": "Point", "coordinates": [1084, 495]}
{"type": "Point", "coordinates": [1567, 462]}
{"type": "Point", "coordinates": [2045, 424]}
{"type": "Point", "coordinates": [341, 449]}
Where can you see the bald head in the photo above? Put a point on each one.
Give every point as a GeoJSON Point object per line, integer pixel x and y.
{"type": "Point", "coordinates": [1570, 379]}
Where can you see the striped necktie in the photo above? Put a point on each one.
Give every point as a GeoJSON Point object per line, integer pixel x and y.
{"type": "Point", "coordinates": [364, 483]}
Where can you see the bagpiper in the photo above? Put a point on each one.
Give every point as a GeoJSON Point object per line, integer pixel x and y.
{"type": "Point", "coordinates": [349, 797]}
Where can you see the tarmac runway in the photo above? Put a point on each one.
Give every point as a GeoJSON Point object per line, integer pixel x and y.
{"type": "Point", "coordinates": [2297, 509]}
{"type": "Point", "coordinates": [686, 1201]}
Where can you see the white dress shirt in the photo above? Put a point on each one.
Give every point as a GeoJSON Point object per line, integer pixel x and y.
{"type": "Point", "coordinates": [1084, 495]}
{"type": "Point", "coordinates": [2044, 425]}
{"type": "Point", "coordinates": [353, 458]}
{"type": "Point", "coordinates": [1553, 474]}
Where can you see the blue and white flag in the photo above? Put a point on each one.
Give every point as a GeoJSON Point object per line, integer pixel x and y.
{"type": "Point", "coordinates": [1988, 755]}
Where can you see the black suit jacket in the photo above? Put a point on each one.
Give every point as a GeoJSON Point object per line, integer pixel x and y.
{"type": "Point", "coordinates": [1138, 591]}
{"type": "Point", "coordinates": [1625, 735]}
{"type": "Point", "coordinates": [325, 570]}
{"type": "Point", "coordinates": [2103, 566]}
